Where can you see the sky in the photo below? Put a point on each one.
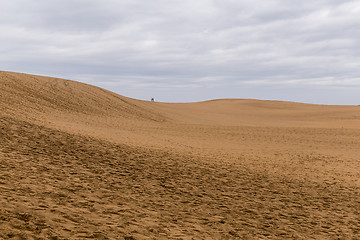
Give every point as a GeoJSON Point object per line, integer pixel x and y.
{"type": "Point", "coordinates": [186, 50]}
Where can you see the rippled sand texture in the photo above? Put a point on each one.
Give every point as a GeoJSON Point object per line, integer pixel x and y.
{"type": "Point", "coordinates": [80, 162]}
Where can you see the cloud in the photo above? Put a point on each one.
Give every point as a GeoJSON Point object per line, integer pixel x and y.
{"type": "Point", "coordinates": [206, 43]}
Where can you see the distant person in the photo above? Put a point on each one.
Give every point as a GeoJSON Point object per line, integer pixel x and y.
{"type": "Point", "coordinates": [152, 99]}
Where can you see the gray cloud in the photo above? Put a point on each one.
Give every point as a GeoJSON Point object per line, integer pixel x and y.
{"type": "Point", "coordinates": [190, 50]}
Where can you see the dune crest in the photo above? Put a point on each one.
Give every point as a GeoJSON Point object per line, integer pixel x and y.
{"type": "Point", "coordinates": [32, 96]}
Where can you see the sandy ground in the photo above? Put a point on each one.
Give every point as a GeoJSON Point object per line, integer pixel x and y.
{"type": "Point", "coordinates": [79, 162]}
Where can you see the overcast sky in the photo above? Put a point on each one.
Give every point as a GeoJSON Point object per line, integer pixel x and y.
{"type": "Point", "coordinates": [190, 50]}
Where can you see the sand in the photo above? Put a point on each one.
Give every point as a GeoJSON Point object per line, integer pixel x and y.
{"type": "Point", "coordinates": [80, 162]}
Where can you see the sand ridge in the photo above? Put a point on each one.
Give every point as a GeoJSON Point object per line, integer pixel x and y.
{"type": "Point", "coordinates": [80, 162]}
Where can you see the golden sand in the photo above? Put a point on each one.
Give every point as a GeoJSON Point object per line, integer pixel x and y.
{"type": "Point", "coordinates": [80, 162]}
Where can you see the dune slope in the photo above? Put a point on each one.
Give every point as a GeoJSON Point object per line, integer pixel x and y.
{"type": "Point", "coordinates": [79, 162]}
{"type": "Point", "coordinates": [30, 95]}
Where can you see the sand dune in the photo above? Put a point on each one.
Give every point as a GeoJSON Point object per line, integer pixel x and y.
{"type": "Point", "coordinates": [32, 95]}
{"type": "Point", "coordinates": [80, 162]}
{"type": "Point", "coordinates": [247, 112]}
